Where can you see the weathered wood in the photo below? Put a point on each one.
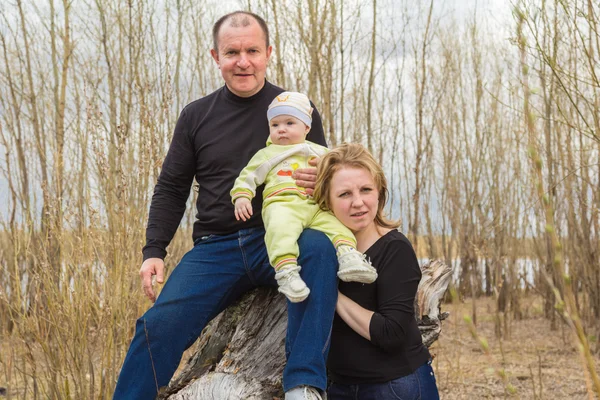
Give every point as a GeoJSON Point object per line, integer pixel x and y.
{"type": "Point", "coordinates": [241, 353]}
{"type": "Point", "coordinates": [435, 278]}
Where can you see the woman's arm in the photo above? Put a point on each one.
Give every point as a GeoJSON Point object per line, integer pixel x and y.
{"type": "Point", "coordinates": [357, 317]}
{"type": "Point", "coordinates": [397, 283]}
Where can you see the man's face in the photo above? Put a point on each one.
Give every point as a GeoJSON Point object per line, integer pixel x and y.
{"type": "Point", "coordinates": [242, 56]}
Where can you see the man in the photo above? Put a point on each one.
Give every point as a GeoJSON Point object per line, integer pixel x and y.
{"type": "Point", "coordinates": [213, 140]}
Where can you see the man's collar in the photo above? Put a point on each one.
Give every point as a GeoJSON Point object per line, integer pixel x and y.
{"type": "Point", "coordinates": [232, 96]}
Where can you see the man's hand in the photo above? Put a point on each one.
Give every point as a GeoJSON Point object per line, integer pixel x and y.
{"type": "Point", "coordinates": [150, 267]}
{"type": "Point", "coordinates": [243, 208]}
{"type": "Point", "coordinates": [307, 177]}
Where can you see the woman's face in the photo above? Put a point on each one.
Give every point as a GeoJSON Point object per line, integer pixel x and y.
{"type": "Point", "coordinates": [354, 198]}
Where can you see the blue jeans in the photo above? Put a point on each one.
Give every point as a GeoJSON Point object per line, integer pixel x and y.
{"type": "Point", "coordinates": [211, 276]}
{"type": "Point", "coordinates": [420, 385]}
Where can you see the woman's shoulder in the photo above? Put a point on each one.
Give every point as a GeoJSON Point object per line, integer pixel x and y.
{"type": "Point", "coordinates": [394, 239]}
{"type": "Point", "coordinates": [392, 250]}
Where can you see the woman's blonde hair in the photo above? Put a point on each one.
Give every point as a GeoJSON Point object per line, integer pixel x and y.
{"type": "Point", "coordinates": [354, 156]}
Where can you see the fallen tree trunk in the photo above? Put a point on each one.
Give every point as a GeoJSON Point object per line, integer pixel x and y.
{"type": "Point", "coordinates": [241, 352]}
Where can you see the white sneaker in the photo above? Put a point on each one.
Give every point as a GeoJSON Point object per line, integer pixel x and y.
{"type": "Point", "coordinates": [304, 393]}
{"type": "Point", "coordinates": [354, 266]}
{"type": "Point", "coordinates": [290, 283]}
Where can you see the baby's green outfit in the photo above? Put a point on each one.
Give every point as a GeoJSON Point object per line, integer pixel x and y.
{"type": "Point", "coordinates": [288, 210]}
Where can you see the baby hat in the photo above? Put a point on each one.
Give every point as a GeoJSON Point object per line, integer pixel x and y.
{"type": "Point", "coordinates": [291, 103]}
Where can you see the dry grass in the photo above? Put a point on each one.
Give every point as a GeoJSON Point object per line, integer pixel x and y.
{"type": "Point", "coordinates": [523, 247]}
{"type": "Point", "coordinates": [539, 363]}
{"type": "Point", "coordinates": [91, 102]}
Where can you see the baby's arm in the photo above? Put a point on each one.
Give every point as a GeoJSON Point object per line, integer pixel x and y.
{"type": "Point", "coordinates": [244, 188]}
{"type": "Point", "coordinates": [243, 208]}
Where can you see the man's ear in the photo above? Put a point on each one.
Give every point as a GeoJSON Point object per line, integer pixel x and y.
{"type": "Point", "coordinates": [269, 50]}
{"type": "Point", "coordinates": [215, 55]}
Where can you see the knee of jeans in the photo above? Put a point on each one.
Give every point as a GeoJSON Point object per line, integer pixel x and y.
{"type": "Point", "coordinates": [153, 325]}
{"type": "Point", "coordinates": [315, 243]}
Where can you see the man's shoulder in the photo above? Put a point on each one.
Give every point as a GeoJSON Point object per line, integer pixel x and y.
{"type": "Point", "coordinates": [204, 101]}
{"type": "Point", "coordinates": [272, 88]}
{"type": "Point", "coordinates": [317, 147]}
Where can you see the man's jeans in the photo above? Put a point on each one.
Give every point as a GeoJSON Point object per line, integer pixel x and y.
{"type": "Point", "coordinates": [211, 276]}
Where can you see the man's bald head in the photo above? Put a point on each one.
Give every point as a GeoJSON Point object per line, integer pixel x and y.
{"type": "Point", "coordinates": [238, 19]}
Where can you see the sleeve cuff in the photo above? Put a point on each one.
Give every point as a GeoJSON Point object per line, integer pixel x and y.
{"type": "Point", "coordinates": [153, 252]}
{"type": "Point", "coordinates": [375, 327]}
{"type": "Point", "coordinates": [238, 195]}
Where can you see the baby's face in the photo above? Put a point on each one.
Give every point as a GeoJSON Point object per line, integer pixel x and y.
{"type": "Point", "coordinates": [285, 130]}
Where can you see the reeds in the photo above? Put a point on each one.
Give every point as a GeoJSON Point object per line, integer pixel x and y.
{"type": "Point", "coordinates": [89, 95]}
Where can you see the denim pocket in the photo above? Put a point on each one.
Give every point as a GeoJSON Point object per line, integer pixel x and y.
{"type": "Point", "coordinates": [404, 388]}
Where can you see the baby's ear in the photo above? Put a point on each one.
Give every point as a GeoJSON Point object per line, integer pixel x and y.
{"type": "Point", "coordinates": [311, 110]}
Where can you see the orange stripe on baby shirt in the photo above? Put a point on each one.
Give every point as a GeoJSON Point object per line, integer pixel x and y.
{"type": "Point", "coordinates": [245, 193]}
{"type": "Point", "coordinates": [287, 189]}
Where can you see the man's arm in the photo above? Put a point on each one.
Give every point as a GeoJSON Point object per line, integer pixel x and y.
{"type": "Point", "coordinates": [168, 203]}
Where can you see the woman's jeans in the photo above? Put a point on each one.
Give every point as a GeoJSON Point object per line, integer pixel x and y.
{"type": "Point", "coordinates": [420, 385]}
{"type": "Point", "coordinates": [211, 276]}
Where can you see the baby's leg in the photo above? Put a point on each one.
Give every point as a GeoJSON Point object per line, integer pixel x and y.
{"type": "Point", "coordinates": [283, 226]}
{"type": "Point", "coordinates": [353, 265]}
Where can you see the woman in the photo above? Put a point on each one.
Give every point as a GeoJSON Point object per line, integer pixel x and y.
{"type": "Point", "coordinates": [376, 347]}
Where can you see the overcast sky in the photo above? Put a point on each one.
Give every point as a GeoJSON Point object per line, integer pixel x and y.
{"type": "Point", "coordinates": [494, 15]}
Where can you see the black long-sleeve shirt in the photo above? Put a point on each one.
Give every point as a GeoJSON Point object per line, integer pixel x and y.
{"type": "Point", "coordinates": [396, 348]}
{"type": "Point", "coordinates": [214, 139]}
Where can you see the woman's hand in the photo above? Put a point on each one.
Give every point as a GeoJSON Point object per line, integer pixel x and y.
{"type": "Point", "coordinates": [357, 317]}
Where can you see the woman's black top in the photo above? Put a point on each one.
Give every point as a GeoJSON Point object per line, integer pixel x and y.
{"type": "Point", "coordinates": [396, 348]}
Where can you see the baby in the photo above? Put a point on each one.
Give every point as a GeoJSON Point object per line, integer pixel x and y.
{"type": "Point", "coordinates": [287, 208]}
